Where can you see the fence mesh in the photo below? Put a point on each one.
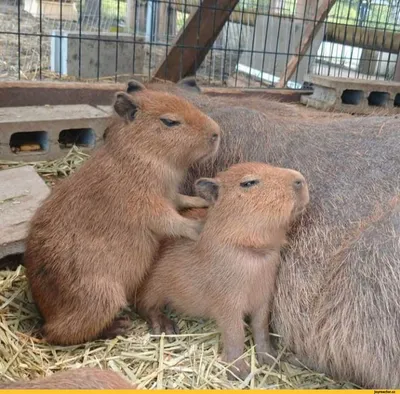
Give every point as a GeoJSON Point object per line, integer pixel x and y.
{"type": "Point", "coordinates": [111, 40]}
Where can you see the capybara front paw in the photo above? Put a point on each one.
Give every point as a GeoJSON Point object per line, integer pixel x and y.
{"type": "Point", "coordinates": [162, 324]}
{"type": "Point", "coordinates": [266, 358]}
{"type": "Point", "coordinates": [199, 202]}
{"type": "Point", "coordinates": [196, 227]}
{"type": "Point", "coordinates": [118, 327]}
{"type": "Point", "coordinates": [239, 369]}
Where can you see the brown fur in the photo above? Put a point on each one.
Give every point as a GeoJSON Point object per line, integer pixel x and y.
{"type": "Point", "coordinates": [230, 271]}
{"type": "Point", "coordinates": [83, 378]}
{"type": "Point", "coordinates": [93, 239]}
{"type": "Point", "coordinates": [338, 287]}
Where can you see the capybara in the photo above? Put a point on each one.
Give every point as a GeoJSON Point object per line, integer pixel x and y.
{"type": "Point", "coordinates": [230, 271]}
{"type": "Point", "coordinates": [92, 241]}
{"type": "Point", "coordinates": [82, 378]}
{"type": "Point", "coordinates": [338, 286]}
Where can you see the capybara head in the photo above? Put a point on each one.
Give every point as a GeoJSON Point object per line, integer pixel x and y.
{"type": "Point", "coordinates": [165, 125]}
{"type": "Point", "coordinates": [254, 198]}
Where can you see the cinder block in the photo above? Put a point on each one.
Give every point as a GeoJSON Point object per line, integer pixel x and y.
{"type": "Point", "coordinates": [353, 95]}
{"type": "Point", "coordinates": [21, 193]}
{"type": "Point", "coordinates": [48, 132]}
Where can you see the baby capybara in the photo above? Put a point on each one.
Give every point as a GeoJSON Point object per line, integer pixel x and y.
{"type": "Point", "coordinates": [83, 378]}
{"type": "Point", "coordinates": [230, 271]}
{"type": "Point", "coordinates": [92, 241]}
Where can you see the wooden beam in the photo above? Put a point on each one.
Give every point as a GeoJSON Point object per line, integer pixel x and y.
{"type": "Point", "coordinates": [282, 95]}
{"type": "Point", "coordinates": [309, 33]}
{"type": "Point", "coordinates": [363, 37]}
{"type": "Point", "coordinates": [29, 93]}
{"type": "Point", "coordinates": [193, 43]}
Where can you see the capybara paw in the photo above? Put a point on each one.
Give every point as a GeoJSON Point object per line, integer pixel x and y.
{"type": "Point", "coordinates": [193, 233]}
{"type": "Point", "coordinates": [238, 370]}
{"type": "Point", "coordinates": [118, 327]}
{"type": "Point", "coordinates": [267, 358]}
{"type": "Point", "coordinates": [162, 324]}
{"type": "Point", "coordinates": [292, 359]}
{"type": "Point", "coordinates": [199, 202]}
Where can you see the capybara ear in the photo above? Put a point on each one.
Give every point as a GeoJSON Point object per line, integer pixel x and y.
{"type": "Point", "coordinates": [125, 106]}
{"type": "Point", "coordinates": [207, 188]}
{"type": "Point", "coordinates": [189, 83]}
{"type": "Point", "coordinates": [134, 86]}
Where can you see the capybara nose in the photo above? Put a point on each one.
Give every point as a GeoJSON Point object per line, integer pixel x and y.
{"type": "Point", "coordinates": [298, 184]}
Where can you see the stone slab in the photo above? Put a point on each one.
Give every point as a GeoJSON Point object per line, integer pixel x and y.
{"type": "Point", "coordinates": [21, 192]}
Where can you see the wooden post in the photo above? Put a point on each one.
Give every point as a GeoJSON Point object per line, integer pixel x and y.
{"type": "Point", "coordinates": [309, 33]}
{"type": "Point", "coordinates": [130, 14]}
{"type": "Point", "coordinates": [193, 43]}
{"type": "Point", "coordinates": [397, 69]}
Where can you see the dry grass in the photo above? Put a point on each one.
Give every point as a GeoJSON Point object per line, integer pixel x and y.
{"type": "Point", "coordinates": [190, 360]}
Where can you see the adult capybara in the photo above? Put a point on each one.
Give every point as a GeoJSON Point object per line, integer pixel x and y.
{"type": "Point", "coordinates": [230, 271]}
{"type": "Point", "coordinates": [338, 287]}
{"type": "Point", "coordinates": [83, 378]}
{"type": "Point", "coordinates": [91, 243]}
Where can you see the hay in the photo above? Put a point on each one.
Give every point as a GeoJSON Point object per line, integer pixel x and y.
{"type": "Point", "coordinates": [190, 360]}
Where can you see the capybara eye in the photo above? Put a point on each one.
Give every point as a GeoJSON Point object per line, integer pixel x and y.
{"type": "Point", "coordinates": [298, 183]}
{"type": "Point", "coordinates": [248, 184]}
{"type": "Point", "coordinates": [169, 122]}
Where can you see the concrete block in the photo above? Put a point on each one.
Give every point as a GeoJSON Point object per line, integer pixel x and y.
{"type": "Point", "coordinates": [48, 132]}
{"type": "Point", "coordinates": [357, 96]}
{"type": "Point", "coordinates": [96, 52]}
{"type": "Point", "coordinates": [22, 192]}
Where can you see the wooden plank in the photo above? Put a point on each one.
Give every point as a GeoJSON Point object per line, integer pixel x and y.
{"type": "Point", "coordinates": [309, 33]}
{"type": "Point", "coordinates": [22, 192]}
{"type": "Point", "coordinates": [363, 37]}
{"type": "Point", "coordinates": [191, 46]}
{"type": "Point", "coordinates": [283, 95]}
{"type": "Point", "coordinates": [27, 93]}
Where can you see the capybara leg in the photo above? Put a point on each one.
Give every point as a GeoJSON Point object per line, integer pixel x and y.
{"type": "Point", "coordinates": [119, 326]}
{"type": "Point", "coordinates": [170, 223]}
{"type": "Point", "coordinates": [191, 202]}
{"type": "Point", "coordinates": [266, 354]}
{"type": "Point", "coordinates": [86, 317]}
{"type": "Point", "coordinates": [233, 337]}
